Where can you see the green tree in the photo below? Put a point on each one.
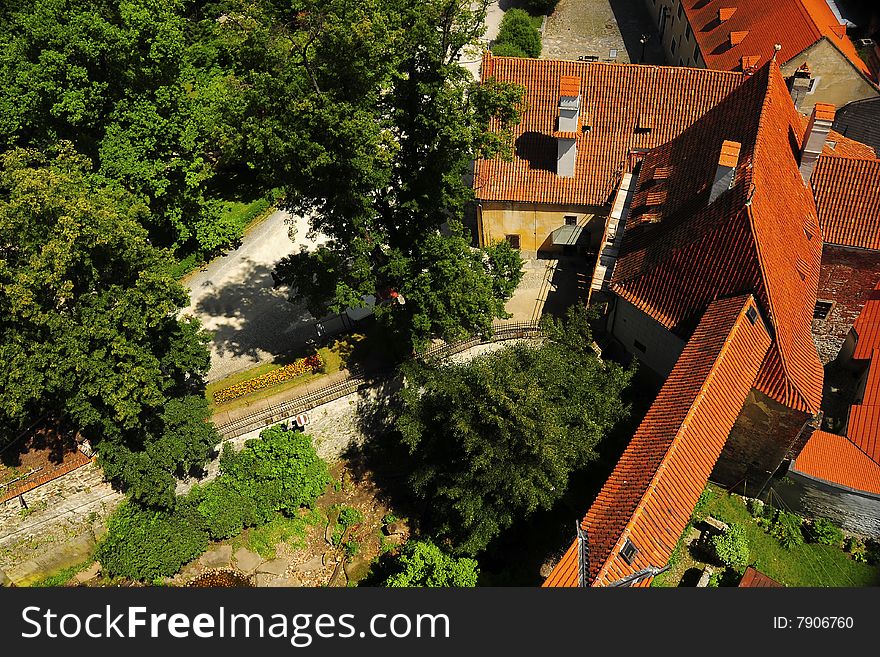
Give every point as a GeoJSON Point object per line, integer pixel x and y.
{"type": "Point", "coordinates": [381, 166]}
{"type": "Point", "coordinates": [518, 34]}
{"type": "Point", "coordinates": [495, 439]}
{"type": "Point", "coordinates": [732, 547]}
{"type": "Point", "coordinates": [89, 329]}
{"type": "Point", "coordinates": [423, 564]}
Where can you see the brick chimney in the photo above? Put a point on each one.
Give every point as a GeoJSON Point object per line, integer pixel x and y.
{"type": "Point", "coordinates": [567, 128]}
{"type": "Point", "coordinates": [799, 84]}
{"type": "Point", "coordinates": [814, 138]}
{"type": "Point", "coordinates": [727, 162]}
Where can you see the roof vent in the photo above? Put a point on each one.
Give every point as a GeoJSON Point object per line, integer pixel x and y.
{"type": "Point", "coordinates": [725, 13]}
{"type": "Point", "coordinates": [749, 62]}
{"type": "Point", "coordinates": [656, 198]}
{"type": "Point", "coordinates": [752, 314]}
{"type": "Point", "coordinates": [736, 38]}
{"type": "Point", "coordinates": [814, 138]}
{"type": "Point", "coordinates": [724, 173]}
{"type": "Point", "coordinates": [661, 173]}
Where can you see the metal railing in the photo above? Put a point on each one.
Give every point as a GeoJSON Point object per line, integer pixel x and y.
{"type": "Point", "coordinates": [359, 378]}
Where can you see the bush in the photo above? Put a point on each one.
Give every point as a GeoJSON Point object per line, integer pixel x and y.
{"type": "Point", "coordinates": [755, 507]}
{"type": "Point", "coordinates": [145, 544]}
{"type": "Point", "coordinates": [421, 563]}
{"type": "Point", "coordinates": [348, 517]}
{"type": "Point", "coordinates": [824, 532]}
{"type": "Point", "coordinates": [732, 547]}
{"type": "Point", "coordinates": [517, 30]}
{"type": "Point", "coordinates": [856, 548]}
{"type": "Point", "coordinates": [786, 528]}
{"type": "Point", "coordinates": [507, 50]}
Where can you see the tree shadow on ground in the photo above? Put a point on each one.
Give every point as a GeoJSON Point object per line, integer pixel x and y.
{"type": "Point", "coordinates": [247, 316]}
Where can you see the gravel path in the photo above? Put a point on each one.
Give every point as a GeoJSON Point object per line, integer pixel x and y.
{"type": "Point", "coordinates": [234, 298]}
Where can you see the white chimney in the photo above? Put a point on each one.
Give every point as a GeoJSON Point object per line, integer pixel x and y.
{"type": "Point", "coordinates": [814, 138]}
{"type": "Point", "coordinates": [567, 128]}
{"type": "Point", "coordinates": [726, 169]}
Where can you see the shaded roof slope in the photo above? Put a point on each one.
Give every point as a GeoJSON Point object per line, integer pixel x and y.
{"type": "Point", "coordinates": [847, 193]}
{"type": "Point", "coordinates": [625, 107]}
{"type": "Point", "coordinates": [860, 120]}
{"type": "Point", "coordinates": [761, 236]}
{"type": "Point", "coordinates": [649, 497]}
{"type": "Point", "coordinates": [794, 24]}
{"type": "Point", "coordinates": [753, 578]}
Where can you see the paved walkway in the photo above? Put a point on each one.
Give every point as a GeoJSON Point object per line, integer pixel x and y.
{"type": "Point", "coordinates": [607, 29]}
{"type": "Point", "coordinates": [252, 323]}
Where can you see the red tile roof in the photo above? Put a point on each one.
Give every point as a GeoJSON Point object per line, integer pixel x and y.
{"type": "Point", "coordinates": [836, 460]}
{"type": "Point", "coordinates": [616, 99]}
{"type": "Point", "coordinates": [853, 460]}
{"type": "Point", "coordinates": [755, 26]}
{"type": "Point", "coordinates": [761, 236]}
{"type": "Point", "coordinates": [649, 497]}
{"type": "Point", "coordinates": [570, 85]}
{"type": "Point", "coordinates": [756, 579]}
{"type": "Point", "coordinates": [847, 193]}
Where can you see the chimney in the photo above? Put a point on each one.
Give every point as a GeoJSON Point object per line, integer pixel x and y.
{"type": "Point", "coordinates": [726, 169]}
{"type": "Point", "coordinates": [725, 13]}
{"type": "Point", "coordinates": [799, 84]}
{"type": "Point", "coordinates": [736, 38]}
{"type": "Point", "coordinates": [567, 128]}
{"type": "Point", "coordinates": [814, 138]}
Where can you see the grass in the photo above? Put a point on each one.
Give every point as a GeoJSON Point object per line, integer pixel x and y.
{"type": "Point", "coordinates": [335, 357]}
{"type": "Point", "coordinates": [62, 577]}
{"type": "Point", "coordinates": [810, 564]}
{"type": "Point", "coordinates": [281, 529]}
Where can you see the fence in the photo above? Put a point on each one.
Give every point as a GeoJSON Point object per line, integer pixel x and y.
{"type": "Point", "coordinates": [358, 379]}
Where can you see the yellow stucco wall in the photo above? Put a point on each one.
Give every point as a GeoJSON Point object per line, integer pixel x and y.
{"type": "Point", "coordinates": [837, 81]}
{"type": "Point", "coordinates": [534, 222]}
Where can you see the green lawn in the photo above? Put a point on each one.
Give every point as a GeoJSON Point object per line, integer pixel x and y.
{"type": "Point", "coordinates": [805, 565]}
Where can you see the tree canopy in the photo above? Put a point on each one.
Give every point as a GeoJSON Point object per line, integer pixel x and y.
{"type": "Point", "coordinates": [88, 323]}
{"type": "Point", "coordinates": [495, 439]}
{"type": "Point", "coordinates": [423, 564]}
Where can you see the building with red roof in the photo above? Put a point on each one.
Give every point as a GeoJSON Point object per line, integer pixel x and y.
{"type": "Point", "coordinates": [816, 56]}
{"type": "Point", "coordinates": [711, 198]}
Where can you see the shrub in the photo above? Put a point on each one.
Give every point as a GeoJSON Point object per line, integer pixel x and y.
{"type": "Point", "coordinates": [507, 50]}
{"type": "Point", "coordinates": [786, 528]}
{"type": "Point", "coordinates": [824, 532]}
{"type": "Point", "coordinates": [351, 549]}
{"type": "Point", "coordinates": [145, 544]}
{"type": "Point", "coordinates": [421, 563]}
{"type": "Point", "coordinates": [856, 548]}
{"type": "Point", "coordinates": [541, 6]}
{"type": "Point", "coordinates": [732, 547]}
{"type": "Point", "coordinates": [517, 30]}
{"type": "Point", "coordinates": [349, 516]}
{"type": "Point", "coordinates": [755, 507]}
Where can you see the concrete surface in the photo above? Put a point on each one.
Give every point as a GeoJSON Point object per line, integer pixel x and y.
{"type": "Point", "coordinates": [473, 56]}
{"type": "Point", "coordinates": [233, 296]}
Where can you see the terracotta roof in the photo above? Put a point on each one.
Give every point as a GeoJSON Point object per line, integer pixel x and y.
{"type": "Point", "coordinates": [649, 497]}
{"type": "Point", "coordinates": [623, 107]}
{"type": "Point", "coordinates": [847, 193]}
{"type": "Point", "coordinates": [756, 579]}
{"type": "Point", "coordinates": [853, 460]}
{"type": "Point", "coordinates": [837, 144]}
{"type": "Point", "coordinates": [836, 460]}
{"type": "Point", "coordinates": [755, 26]}
{"type": "Point", "coordinates": [570, 85]}
{"type": "Point", "coordinates": [761, 236]}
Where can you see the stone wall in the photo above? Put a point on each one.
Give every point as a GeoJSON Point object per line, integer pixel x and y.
{"type": "Point", "coordinates": [763, 436]}
{"type": "Point", "coordinates": [847, 278]}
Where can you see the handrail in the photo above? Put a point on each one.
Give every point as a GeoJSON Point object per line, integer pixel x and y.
{"type": "Point", "coordinates": [358, 378]}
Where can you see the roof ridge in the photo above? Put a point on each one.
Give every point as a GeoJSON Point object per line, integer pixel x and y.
{"type": "Point", "coordinates": [748, 301]}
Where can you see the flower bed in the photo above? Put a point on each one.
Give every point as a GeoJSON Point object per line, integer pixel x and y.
{"type": "Point", "coordinates": [282, 374]}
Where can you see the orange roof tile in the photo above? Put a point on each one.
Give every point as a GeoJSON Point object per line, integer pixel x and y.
{"type": "Point", "coordinates": [837, 144]}
{"type": "Point", "coordinates": [756, 579]}
{"type": "Point", "coordinates": [649, 497]}
{"type": "Point", "coordinates": [847, 193]}
{"type": "Point", "coordinates": [794, 24]}
{"type": "Point", "coordinates": [729, 153]}
{"type": "Point", "coordinates": [616, 99]}
{"type": "Point", "coordinates": [755, 238]}
{"type": "Point", "coordinates": [853, 461]}
{"type": "Point", "coordinates": [836, 460]}
{"type": "Point", "coordinates": [570, 85]}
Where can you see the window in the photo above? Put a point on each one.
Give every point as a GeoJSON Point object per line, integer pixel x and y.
{"type": "Point", "coordinates": [571, 220]}
{"type": "Point", "coordinates": [673, 46]}
{"type": "Point", "coordinates": [638, 345]}
{"type": "Point", "coordinates": [629, 551]}
{"type": "Point", "coordinates": [752, 314]}
{"type": "Point", "coordinates": [513, 240]}
{"type": "Point", "coordinates": [822, 309]}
